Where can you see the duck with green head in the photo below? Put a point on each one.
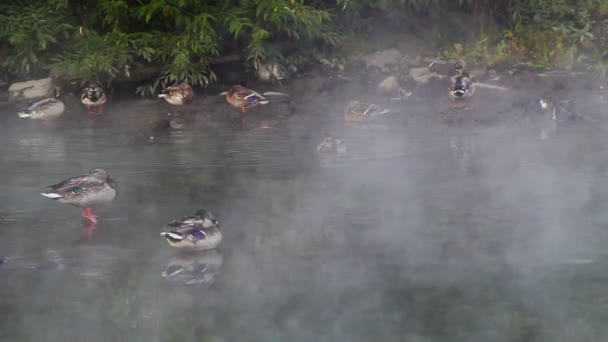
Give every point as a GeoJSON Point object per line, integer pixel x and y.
{"type": "Point", "coordinates": [93, 96]}
{"type": "Point", "coordinates": [197, 232]}
{"type": "Point", "coordinates": [461, 85]}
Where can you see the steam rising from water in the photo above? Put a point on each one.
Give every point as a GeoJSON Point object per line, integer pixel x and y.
{"type": "Point", "coordinates": [424, 232]}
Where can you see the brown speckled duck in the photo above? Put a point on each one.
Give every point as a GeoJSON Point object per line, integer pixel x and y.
{"type": "Point", "coordinates": [363, 112]}
{"type": "Point", "coordinates": [45, 109]}
{"type": "Point", "coordinates": [180, 94]}
{"type": "Point", "coordinates": [84, 191]}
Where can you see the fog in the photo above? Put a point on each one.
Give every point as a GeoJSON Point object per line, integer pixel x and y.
{"type": "Point", "coordinates": [427, 230]}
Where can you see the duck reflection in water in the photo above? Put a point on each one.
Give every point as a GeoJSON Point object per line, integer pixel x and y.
{"type": "Point", "coordinates": [194, 268]}
{"type": "Point", "coordinates": [88, 228]}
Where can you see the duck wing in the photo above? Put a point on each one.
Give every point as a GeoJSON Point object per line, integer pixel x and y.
{"type": "Point", "coordinates": [43, 105]}
{"type": "Point", "coordinates": [249, 95]}
{"type": "Point", "coordinates": [74, 186]}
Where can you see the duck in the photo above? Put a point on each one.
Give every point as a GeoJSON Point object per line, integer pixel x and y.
{"type": "Point", "coordinates": [331, 146]}
{"type": "Point", "coordinates": [156, 130]}
{"type": "Point", "coordinates": [180, 94]}
{"type": "Point", "coordinates": [461, 85]}
{"type": "Point", "coordinates": [244, 98]}
{"type": "Point", "coordinates": [194, 268]}
{"type": "Point", "coordinates": [85, 191]}
{"type": "Point", "coordinates": [197, 232]}
{"type": "Point", "coordinates": [362, 112]}
{"type": "Point", "coordinates": [559, 112]}
{"type": "Point", "coordinates": [93, 96]}
{"type": "Point", "coordinates": [45, 109]}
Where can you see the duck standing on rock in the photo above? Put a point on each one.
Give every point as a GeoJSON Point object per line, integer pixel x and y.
{"type": "Point", "coordinates": [181, 94]}
{"type": "Point", "coordinates": [461, 85]}
{"type": "Point", "coordinates": [197, 232]}
{"type": "Point", "coordinates": [84, 191]}
{"type": "Point", "coordinates": [46, 109]}
{"type": "Point", "coordinates": [93, 96]}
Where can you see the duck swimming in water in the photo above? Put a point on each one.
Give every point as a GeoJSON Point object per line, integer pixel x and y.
{"type": "Point", "coordinates": [197, 232]}
{"type": "Point", "coordinates": [93, 97]}
{"type": "Point", "coordinates": [331, 146]}
{"type": "Point", "coordinates": [363, 112]}
{"type": "Point", "coordinates": [244, 98]}
{"type": "Point", "coordinates": [461, 85]}
{"type": "Point", "coordinates": [84, 191]}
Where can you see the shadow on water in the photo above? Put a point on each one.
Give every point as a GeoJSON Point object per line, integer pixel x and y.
{"type": "Point", "coordinates": [421, 233]}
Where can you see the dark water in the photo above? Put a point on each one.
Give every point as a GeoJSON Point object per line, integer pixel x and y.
{"type": "Point", "coordinates": [422, 233]}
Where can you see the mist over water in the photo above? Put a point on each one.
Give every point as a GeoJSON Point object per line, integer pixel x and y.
{"type": "Point", "coordinates": [423, 232]}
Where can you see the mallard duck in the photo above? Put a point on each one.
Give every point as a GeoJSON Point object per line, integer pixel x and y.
{"type": "Point", "coordinates": [331, 146]}
{"type": "Point", "coordinates": [363, 112]}
{"type": "Point", "coordinates": [197, 232]}
{"type": "Point", "coordinates": [559, 112]}
{"type": "Point", "coordinates": [47, 109]}
{"type": "Point", "coordinates": [194, 268]}
{"type": "Point", "coordinates": [84, 191]}
{"type": "Point", "coordinates": [93, 96]}
{"type": "Point", "coordinates": [180, 94]}
{"type": "Point", "coordinates": [461, 85]}
{"type": "Point", "coordinates": [244, 98]}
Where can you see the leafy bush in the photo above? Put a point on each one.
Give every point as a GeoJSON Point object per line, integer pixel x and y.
{"type": "Point", "coordinates": [32, 29]}
{"type": "Point", "coordinates": [179, 35]}
{"type": "Point", "coordinates": [180, 38]}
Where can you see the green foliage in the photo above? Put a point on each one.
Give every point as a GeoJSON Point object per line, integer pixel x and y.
{"type": "Point", "coordinates": [550, 32]}
{"type": "Point", "coordinates": [181, 37]}
{"type": "Point", "coordinates": [32, 30]}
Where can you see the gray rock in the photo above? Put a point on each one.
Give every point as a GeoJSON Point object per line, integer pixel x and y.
{"type": "Point", "coordinates": [384, 60]}
{"type": "Point", "coordinates": [389, 85]}
{"type": "Point", "coordinates": [442, 67]}
{"type": "Point", "coordinates": [479, 73]}
{"type": "Point", "coordinates": [422, 74]}
{"type": "Point", "coordinates": [417, 60]}
{"type": "Point", "coordinates": [31, 89]}
{"type": "Point", "coordinates": [430, 60]}
{"type": "Point", "coordinates": [270, 72]}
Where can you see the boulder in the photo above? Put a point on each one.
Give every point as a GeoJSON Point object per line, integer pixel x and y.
{"type": "Point", "coordinates": [389, 85]}
{"type": "Point", "coordinates": [31, 89]}
{"type": "Point", "coordinates": [442, 67]}
{"type": "Point", "coordinates": [422, 74]}
{"type": "Point", "coordinates": [385, 60]}
{"type": "Point", "coordinates": [417, 61]}
{"type": "Point", "coordinates": [479, 73]}
{"type": "Point", "coordinates": [270, 72]}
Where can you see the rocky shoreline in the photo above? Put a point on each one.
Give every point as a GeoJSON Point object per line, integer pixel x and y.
{"type": "Point", "coordinates": [506, 92]}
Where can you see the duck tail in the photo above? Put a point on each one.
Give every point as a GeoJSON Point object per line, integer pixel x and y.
{"type": "Point", "coordinates": [162, 96]}
{"type": "Point", "coordinates": [24, 114]}
{"type": "Point", "coordinates": [171, 236]}
{"type": "Point", "coordinates": [51, 195]}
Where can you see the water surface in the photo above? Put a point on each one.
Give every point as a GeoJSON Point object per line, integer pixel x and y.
{"type": "Point", "coordinates": [422, 233]}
